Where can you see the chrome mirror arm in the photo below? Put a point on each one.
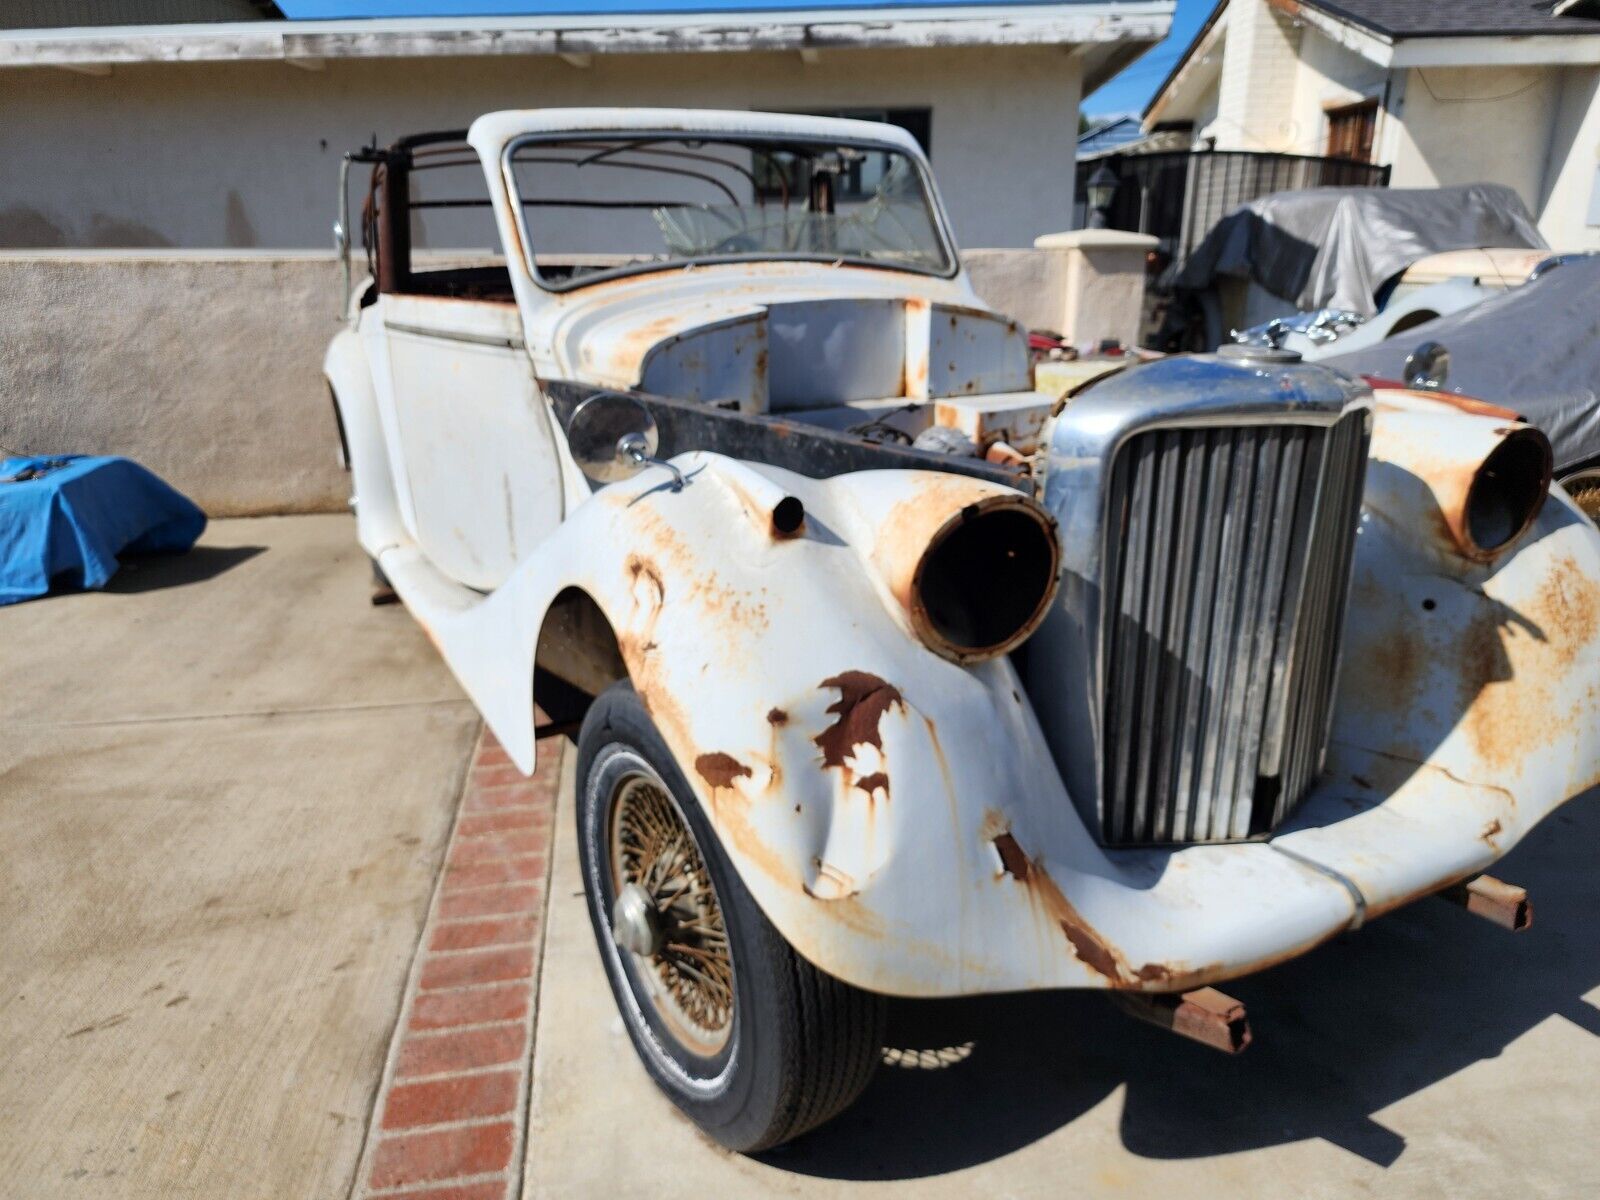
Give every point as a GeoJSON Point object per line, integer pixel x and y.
{"type": "Point", "coordinates": [635, 448]}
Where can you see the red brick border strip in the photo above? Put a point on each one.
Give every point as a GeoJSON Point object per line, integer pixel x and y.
{"type": "Point", "coordinates": [451, 1115]}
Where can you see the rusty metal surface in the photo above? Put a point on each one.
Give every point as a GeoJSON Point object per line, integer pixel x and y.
{"type": "Point", "coordinates": [1494, 900]}
{"type": "Point", "coordinates": [927, 770]}
{"type": "Point", "coordinates": [1450, 468]}
{"type": "Point", "coordinates": [1204, 1015]}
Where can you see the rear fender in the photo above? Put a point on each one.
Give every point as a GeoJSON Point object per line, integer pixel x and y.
{"type": "Point", "coordinates": [372, 485]}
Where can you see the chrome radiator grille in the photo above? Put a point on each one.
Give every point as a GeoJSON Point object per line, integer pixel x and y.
{"type": "Point", "coordinates": [1227, 563]}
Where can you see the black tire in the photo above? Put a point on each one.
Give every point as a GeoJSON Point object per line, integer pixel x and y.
{"type": "Point", "coordinates": [382, 590]}
{"type": "Point", "coordinates": [799, 1046]}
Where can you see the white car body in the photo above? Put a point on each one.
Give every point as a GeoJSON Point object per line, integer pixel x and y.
{"type": "Point", "coordinates": [939, 852]}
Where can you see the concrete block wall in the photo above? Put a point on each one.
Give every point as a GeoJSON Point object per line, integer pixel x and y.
{"type": "Point", "coordinates": [205, 367]}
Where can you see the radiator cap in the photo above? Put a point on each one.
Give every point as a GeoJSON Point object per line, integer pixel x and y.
{"type": "Point", "coordinates": [1243, 352]}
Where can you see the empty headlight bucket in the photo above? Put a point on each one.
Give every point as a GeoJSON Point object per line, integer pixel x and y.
{"type": "Point", "coordinates": [986, 579]}
{"type": "Point", "coordinates": [1507, 492]}
{"type": "Point", "coordinates": [1488, 475]}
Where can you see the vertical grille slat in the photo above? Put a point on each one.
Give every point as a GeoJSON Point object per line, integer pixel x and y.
{"type": "Point", "coordinates": [1176, 688]}
{"type": "Point", "coordinates": [1216, 451]}
{"type": "Point", "coordinates": [1227, 565]}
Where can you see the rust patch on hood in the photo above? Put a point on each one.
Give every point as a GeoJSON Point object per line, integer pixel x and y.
{"type": "Point", "coordinates": [776, 716]}
{"type": "Point", "coordinates": [863, 699]}
{"type": "Point", "coordinates": [720, 770]}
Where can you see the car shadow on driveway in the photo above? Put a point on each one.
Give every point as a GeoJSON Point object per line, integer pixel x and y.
{"type": "Point", "coordinates": [1343, 1033]}
{"type": "Point", "coordinates": [150, 572]}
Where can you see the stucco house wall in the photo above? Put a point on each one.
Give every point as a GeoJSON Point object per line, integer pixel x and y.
{"type": "Point", "coordinates": [1329, 76]}
{"type": "Point", "coordinates": [1572, 177]}
{"type": "Point", "coordinates": [245, 155]}
{"type": "Point", "coordinates": [1466, 124]}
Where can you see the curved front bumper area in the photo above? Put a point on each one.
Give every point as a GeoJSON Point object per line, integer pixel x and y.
{"type": "Point", "coordinates": [1466, 714]}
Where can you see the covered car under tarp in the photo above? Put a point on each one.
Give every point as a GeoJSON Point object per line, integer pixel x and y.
{"type": "Point", "coordinates": [1337, 247]}
{"type": "Point", "coordinates": [1534, 349]}
{"type": "Point", "coordinates": [64, 520]}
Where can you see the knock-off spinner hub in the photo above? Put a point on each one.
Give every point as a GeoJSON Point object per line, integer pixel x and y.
{"type": "Point", "coordinates": [635, 922]}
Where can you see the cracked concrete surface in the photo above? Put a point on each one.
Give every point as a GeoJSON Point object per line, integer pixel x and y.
{"type": "Point", "coordinates": [225, 786]}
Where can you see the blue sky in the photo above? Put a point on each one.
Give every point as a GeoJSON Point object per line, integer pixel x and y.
{"type": "Point", "coordinates": [1129, 90]}
{"type": "Point", "coordinates": [1126, 93]}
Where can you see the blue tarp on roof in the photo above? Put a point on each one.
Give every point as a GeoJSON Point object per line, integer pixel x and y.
{"type": "Point", "coordinates": [67, 518]}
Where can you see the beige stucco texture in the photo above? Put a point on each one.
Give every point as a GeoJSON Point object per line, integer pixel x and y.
{"type": "Point", "coordinates": [205, 368]}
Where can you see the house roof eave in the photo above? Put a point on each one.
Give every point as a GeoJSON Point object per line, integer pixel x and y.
{"type": "Point", "coordinates": [1157, 97]}
{"type": "Point", "coordinates": [1061, 24]}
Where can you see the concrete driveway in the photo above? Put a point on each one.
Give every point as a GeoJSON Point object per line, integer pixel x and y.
{"type": "Point", "coordinates": [225, 788]}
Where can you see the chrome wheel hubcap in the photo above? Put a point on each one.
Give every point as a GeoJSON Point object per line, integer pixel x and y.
{"type": "Point", "coordinates": [666, 914]}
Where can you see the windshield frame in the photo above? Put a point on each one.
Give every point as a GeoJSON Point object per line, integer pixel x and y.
{"type": "Point", "coordinates": [940, 223]}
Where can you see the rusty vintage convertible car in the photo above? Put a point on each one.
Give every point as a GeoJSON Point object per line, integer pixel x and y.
{"type": "Point", "coordinates": [891, 676]}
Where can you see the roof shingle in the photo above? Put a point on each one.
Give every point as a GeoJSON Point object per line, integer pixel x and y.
{"type": "Point", "coordinates": [1456, 18]}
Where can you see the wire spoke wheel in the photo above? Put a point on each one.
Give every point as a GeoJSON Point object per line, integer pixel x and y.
{"type": "Point", "coordinates": [668, 916]}
{"type": "Point", "coordinates": [1585, 493]}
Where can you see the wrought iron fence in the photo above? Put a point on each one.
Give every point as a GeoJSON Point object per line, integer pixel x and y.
{"type": "Point", "coordinates": [1178, 195]}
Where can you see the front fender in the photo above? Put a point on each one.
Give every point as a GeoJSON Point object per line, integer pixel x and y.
{"type": "Point", "coordinates": [899, 818]}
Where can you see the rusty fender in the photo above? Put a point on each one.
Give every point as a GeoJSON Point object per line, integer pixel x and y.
{"type": "Point", "coordinates": [1469, 701]}
{"type": "Point", "coordinates": [898, 816]}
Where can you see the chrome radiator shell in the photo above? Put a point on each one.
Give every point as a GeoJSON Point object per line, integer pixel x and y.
{"type": "Point", "coordinates": [1208, 508]}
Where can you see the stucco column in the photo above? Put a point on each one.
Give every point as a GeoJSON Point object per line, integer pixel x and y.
{"type": "Point", "coordinates": [1103, 283]}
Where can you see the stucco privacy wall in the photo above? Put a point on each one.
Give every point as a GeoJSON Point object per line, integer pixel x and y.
{"type": "Point", "coordinates": [206, 366]}
{"type": "Point", "coordinates": [206, 369]}
{"type": "Point", "coordinates": [208, 155]}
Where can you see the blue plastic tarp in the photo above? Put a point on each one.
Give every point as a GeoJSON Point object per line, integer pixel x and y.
{"type": "Point", "coordinates": [69, 517]}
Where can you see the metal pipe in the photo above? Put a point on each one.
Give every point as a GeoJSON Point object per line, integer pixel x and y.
{"type": "Point", "coordinates": [1494, 900]}
{"type": "Point", "coordinates": [1204, 1015]}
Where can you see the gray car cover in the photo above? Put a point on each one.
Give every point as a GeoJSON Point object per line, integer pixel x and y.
{"type": "Point", "coordinates": [1534, 349]}
{"type": "Point", "coordinates": [1336, 247]}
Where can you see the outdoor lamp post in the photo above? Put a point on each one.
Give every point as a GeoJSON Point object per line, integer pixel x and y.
{"type": "Point", "coordinates": [1102, 190]}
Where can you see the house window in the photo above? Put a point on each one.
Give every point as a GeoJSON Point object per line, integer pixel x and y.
{"type": "Point", "coordinates": [1351, 130]}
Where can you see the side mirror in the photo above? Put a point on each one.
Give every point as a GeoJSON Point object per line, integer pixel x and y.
{"type": "Point", "coordinates": [613, 437]}
{"type": "Point", "coordinates": [1427, 367]}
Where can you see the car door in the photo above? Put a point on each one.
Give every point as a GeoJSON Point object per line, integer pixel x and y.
{"type": "Point", "coordinates": [480, 460]}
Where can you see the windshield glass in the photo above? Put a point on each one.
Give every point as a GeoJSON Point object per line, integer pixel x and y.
{"type": "Point", "coordinates": [608, 205]}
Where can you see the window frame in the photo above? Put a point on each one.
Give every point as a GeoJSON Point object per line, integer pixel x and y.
{"type": "Point", "coordinates": [1361, 112]}
{"type": "Point", "coordinates": [918, 160]}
